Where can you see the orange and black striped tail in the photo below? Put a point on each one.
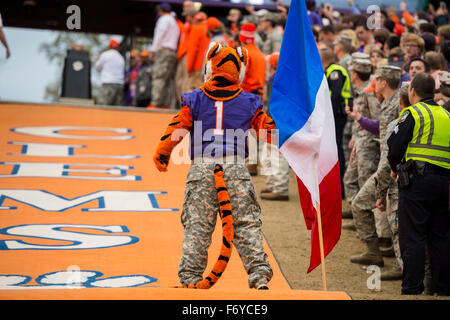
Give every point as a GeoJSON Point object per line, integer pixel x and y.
{"type": "Point", "coordinates": [227, 233]}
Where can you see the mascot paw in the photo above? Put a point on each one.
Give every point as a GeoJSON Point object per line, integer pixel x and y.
{"type": "Point", "coordinates": [161, 162]}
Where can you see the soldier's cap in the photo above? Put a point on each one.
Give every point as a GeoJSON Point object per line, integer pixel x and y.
{"type": "Point", "coordinates": [261, 13]}
{"type": "Point", "coordinates": [361, 65]}
{"type": "Point", "coordinates": [360, 55]}
{"type": "Point", "coordinates": [404, 88]}
{"type": "Point", "coordinates": [445, 77]}
{"type": "Point", "coordinates": [344, 40]}
{"type": "Point", "coordinates": [388, 72]}
{"type": "Point", "coordinates": [250, 19]}
{"type": "Point", "coordinates": [269, 16]}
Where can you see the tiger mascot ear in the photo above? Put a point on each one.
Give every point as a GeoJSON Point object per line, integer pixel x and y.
{"type": "Point", "coordinates": [213, 49]}
{"type": "Point", "coordinates": [243, 56]}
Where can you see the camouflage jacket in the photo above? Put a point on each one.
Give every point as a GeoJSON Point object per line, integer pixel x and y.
{"type": "Point", "coordinates": [383, 178]}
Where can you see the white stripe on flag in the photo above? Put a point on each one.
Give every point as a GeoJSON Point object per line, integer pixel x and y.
{"type": "Point", "coordinates": [317, 139]}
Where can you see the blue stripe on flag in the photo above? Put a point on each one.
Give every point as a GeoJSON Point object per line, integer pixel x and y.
{"type": "Point", "coordinates": [298, 76]}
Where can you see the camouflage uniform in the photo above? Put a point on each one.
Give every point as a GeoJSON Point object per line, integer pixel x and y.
{"type": "Point", "coordinates": [200, 210]}
{"type": "Point", "coordinates": [387, 189]}
{"type": "Point", "coordinates": [111, 94]}
{"type": "Point", "coordinates": [347, 59]}
{"type": "Point", "coordinates": [364, 203]}
{"type": "Point", "coordinates": [272, 43]}
{"type": "Point", "coordinates": [346, 62]}
{"type": "Point", "coordinates": [164, 66]}
{"type": "Point", "coordinates": [367, 150]}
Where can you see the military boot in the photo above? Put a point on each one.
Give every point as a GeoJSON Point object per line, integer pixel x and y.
{"type": "Point", "coordinates": [395, 273]}
{"type": "Point", "coordinates": [346, 210]}
{"type": "Point", "coordinates": [252, 169]}
{"type": "Point", "coordinates": [347, 214]}
{"type": "Point", "coordinates": [349, 225]}
{"type": "Point", "coordinates": [429, 285]}
{"type": "Point", "coordinates": [371, 257]}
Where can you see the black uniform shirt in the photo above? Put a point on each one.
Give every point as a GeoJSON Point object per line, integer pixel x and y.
{"type": "Point", "coordinates": [402, 135]}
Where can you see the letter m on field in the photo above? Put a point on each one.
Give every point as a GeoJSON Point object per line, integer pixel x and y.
{"type": "Point", "coordinates": [134, 201]}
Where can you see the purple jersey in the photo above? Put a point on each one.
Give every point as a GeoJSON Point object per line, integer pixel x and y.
{"type": "Point", "coordinates": [220, 128]}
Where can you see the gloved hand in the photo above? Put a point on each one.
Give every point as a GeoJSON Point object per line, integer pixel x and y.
{"type": "Point", "coordinates": [161, 161]}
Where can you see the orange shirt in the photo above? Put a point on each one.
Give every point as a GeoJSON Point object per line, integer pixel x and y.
{"type": "Point", "coordinates": [255, 72]}
{"type": "Point", "coordinates": [197, 44]}
{"type": "Point", "coordinates": [185, 29]}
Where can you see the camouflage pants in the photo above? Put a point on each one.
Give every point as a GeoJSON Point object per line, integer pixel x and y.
{"type": "Point", "coordinates": [362, 167]}
{"type": "Point", "coordinates": [351, 186]}
{"type": "Point", "coordinates": [111, 94]}
{"type": "Point", "coordinates": [370, 222]}
{"type": "Point", "coordinates": [392, 216]}
{"type": "Point", "coordinates": [346, 137]}
{"type": "Point", "coordinates": [163, 77]}
{"type": "Point", "coordinates": [367, 158]}
{"type": "Point", "coordinates": [277, 172]}
{"type": "Point", "coordinates": [200, 210]}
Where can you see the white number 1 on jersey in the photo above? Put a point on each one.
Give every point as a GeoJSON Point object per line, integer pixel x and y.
{"type": "Point", "coordinates": [218, 131]}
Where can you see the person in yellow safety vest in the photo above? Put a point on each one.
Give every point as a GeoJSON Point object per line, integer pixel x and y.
{"type": "Point", "coordinates": [341, 95]}
{"type": "Point", "coordinates": [419, 156]}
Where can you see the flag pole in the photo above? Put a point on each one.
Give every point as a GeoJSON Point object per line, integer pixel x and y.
{"type": "Point", "coordinates": [322, 256]}
{"type": "Point", "coordinates": [319, 224]}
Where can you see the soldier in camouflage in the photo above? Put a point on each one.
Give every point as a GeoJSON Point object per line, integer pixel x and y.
{"type": "Point", "coordinates": [365, 149]}
{"type": "Point", "coordinates": [272, 43]}
{"type": "Point", "coordinates": [386, 84]}
{"type": "Point", "coordinates": [387, 195]}
{"type": "Point", "coordinates": [387, 192]}
{"type": "Point", "coordinates": [346, 62]}
{"type": "Point", "coordinates": [342, 48]}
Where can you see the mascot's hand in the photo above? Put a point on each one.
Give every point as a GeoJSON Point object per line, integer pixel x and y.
{"type": "Point", "coordinates": [161, 161]}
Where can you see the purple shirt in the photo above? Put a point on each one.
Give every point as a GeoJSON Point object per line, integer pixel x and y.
{"type": "Point", "coordinates": [314, 18]}
{"type": "Point", "coordinates": [220, 128]}
{"type": "Point", "coordinates": [373, 126]}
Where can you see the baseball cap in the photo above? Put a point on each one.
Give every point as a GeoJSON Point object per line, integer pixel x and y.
{"type": "Point", "coordinates": [247, 33]}
{"type": "Point", "coordinates": [200, 16]}
{"type": "Point", "coordinates": [114, 44]}
{"type": "Point", "coordinates": [213, 23]}
{"type": "Point", "coordinates": [166, 7]}
{"type": "Point", "coordinates": [396, 61]}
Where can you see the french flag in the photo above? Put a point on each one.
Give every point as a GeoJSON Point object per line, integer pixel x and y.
{"type": "Point", "coordinates": [301, 106]}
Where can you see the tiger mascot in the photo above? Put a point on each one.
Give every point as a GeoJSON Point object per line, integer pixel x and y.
{"type": "Point", "coordinates": [219, 105]}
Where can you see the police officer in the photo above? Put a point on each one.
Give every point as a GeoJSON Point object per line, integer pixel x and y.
{"type": "Point", "coordinates": [340, 91]}
{"type": "Point", "coordinates": [419, 156]}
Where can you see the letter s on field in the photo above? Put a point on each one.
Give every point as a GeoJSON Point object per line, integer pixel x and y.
{"type": "Point", "coordinates": [78, 240]}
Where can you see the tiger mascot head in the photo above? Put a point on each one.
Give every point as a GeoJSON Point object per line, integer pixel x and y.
{"type": "Point", "coordinates": [224, 71]}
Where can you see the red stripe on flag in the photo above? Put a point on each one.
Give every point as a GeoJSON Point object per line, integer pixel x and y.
{"type": "Point", "coordinates": [331, 213]}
